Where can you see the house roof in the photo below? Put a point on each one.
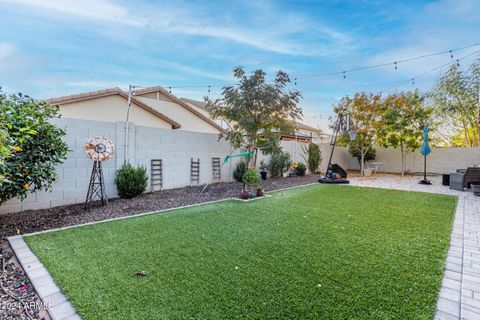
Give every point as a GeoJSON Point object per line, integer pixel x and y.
{"type": "Point", "coordinates": [196, 103]}
{"type": "Point", "coordinates": [181, 102]}
{"type": "Point", "coordinates": [110, 92]}
{"type": "Point", "coordinates": [303, 126]}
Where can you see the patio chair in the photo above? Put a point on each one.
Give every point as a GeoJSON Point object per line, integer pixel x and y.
{"type": "Point", "coordinates": [464, 178]}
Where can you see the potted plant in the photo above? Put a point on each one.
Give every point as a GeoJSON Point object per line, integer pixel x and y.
{"type": "Point", "coordinates": [263, 170]}
{"type": "Point", "coordinates": [252, 181]}
{"type": "Point", "coordinates": [293, 168]}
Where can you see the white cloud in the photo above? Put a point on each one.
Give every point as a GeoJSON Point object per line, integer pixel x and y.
{"type": "Point", "coordinates": [93, 9]}
{"type": "Point", "coordinates": [276, 31]}
{"type": "Point", "coordinates": [6, 50]}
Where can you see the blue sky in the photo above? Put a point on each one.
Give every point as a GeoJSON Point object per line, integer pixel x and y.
{"type": "Point", "coordinates": [50, 48]}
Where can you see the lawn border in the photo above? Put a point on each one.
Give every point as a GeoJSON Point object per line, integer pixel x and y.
{"type": "Point", "coordinates": [56, 303]}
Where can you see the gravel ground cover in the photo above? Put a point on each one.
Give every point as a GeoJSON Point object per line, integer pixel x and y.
{"type": "Point", "coordinates": [36, 220]}
{"type": "Point", "coordinates": [18, 299]}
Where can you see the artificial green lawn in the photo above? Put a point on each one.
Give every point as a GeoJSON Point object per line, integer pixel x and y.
{"type": "Point", "coordinates": [321, 252]}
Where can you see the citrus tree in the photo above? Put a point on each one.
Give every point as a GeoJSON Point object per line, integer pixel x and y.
{"type": "Point", "coordinates": [31, 146]}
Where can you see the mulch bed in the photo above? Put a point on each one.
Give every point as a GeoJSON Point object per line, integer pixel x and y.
{"type": "Point", "coordinates": [18, 299]}
{"type": "Point", "coordinates": [37, 220]}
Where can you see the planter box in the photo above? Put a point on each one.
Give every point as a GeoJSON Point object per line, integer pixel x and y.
{"type": "Point", "coordinates": [367, 172]}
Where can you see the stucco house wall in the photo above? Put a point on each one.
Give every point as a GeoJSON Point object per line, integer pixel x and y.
{"type": "Point", "coordinates": [111, 109]}
{"type": "Point", "coordinates": [188, 120]}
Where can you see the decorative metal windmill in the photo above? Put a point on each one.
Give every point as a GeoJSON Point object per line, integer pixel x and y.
{"type": "Point", "coordinates": [98, 149]}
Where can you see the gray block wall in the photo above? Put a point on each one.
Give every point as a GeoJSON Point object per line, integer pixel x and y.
{"type": "Point", "coordinates": [176, 148]}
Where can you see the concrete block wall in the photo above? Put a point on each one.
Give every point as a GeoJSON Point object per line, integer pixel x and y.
{"type": "Point", "coordinates": [176, 148]}
{"type": "Point", "coordinates": [440, 160]}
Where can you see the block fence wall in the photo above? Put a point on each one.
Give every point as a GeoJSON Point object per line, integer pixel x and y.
{"type": "Point", "coordinates": [440, 160]}
{"type": "Point", "coordinates": [174, 147]}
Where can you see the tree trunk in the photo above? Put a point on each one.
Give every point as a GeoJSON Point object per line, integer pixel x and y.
{"type": "Point", "coordinates": [478, 117]}
{"type": "Point", "coordinates": [402, 150]}
{"type": "Point", "coordinates": [362, 163]}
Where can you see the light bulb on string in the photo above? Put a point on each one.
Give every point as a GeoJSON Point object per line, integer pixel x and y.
{"type": "Point", "coordinates": [344, 75]}
{"type": "Point", "coordinates": [170, 90]}
{"type": "Point", "coordinates": [451, 54]}
{"type": "Point", "coordinates": [209, 89]}
{"type": "Point", "coordinates": [458, 62]}
{"type": "Point", "coordinates": [413, 82]}
{"type": "Point", "coordinates": [395, 65]}
{"type": "Point", "coordinates": [295, 81]}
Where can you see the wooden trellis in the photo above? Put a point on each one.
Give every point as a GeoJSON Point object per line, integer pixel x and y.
{"type": "Point", "coordinates": [216, 173]}
{"type": "Point", "coordinates": [156, 174]}
{"type": "Point", "coordinates": [194, 171]}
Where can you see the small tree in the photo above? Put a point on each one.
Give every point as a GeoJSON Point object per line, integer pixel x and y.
{"type": "Point", "coordinates": [313, 156]}
{"type": "Point", "coordinates": [457, 103]}
{"type": "Point", "coordinates": [404, 117]}
{"type": "Point", "coordinates": [366, 118]}
{"type": "Point", "coordinates": [33, 146]}
{"type": "Point", "coordinates": [258, 112]}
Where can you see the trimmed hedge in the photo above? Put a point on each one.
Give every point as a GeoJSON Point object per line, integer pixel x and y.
{"type": "Point", "coordinates": [131, 181]}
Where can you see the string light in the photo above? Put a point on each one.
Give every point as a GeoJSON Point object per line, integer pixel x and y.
{"type": "Point", "coordinates": [170, 90]}
{"type": "Point", "coordinates": [413, 82]}
{"type": "Point", "coordinates": [344, 72]}
{"type": "Point", "coordinates": [388, 63]}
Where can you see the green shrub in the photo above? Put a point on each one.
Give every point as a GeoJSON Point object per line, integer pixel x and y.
{"type": "Point", "coordinates": [240, 170]}
{"type": "Point", "coordinates": [131, 181]}
{"type": "Point", "coordinates": [252, 178]}
{"type": "Point", "coordinates": [301, 169]}
{"type": "Point", "coordinates": [314, 157]}
{"type": "Point", "coordinates": [279, 163]}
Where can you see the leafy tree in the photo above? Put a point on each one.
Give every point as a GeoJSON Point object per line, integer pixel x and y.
{"type": "Point", "coordinates": [33, 146]}
{"type": "Point", "coordinates": [404, 116]}
{"type": "Point", "coordinates": [369, 156]}
{"type": "Point", "coordinates": [457, 104]}
{"type": "Point", "coordinates": [366, 118]}
{"type": "Point", "coordinates": [257, 111]}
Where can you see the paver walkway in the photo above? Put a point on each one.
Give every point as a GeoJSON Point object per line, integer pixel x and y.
{"type": "Point", "coordinates": [460, 292]}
